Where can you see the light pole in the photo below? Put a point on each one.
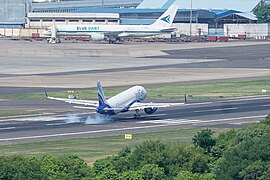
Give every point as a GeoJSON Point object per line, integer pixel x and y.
{"type": "Point", "coordinates": [191, 16]}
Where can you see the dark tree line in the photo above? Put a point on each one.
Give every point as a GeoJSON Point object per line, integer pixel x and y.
{"type": "Point", "coordinates": [263, 14]}
{"type": "Point", "coordinates": [237, 154]}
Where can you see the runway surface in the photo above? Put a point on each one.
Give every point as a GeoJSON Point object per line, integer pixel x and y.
{"type": "Point", "coordinates": [29, 67]}
{"type": "Point", "coordinates": [225, 113]}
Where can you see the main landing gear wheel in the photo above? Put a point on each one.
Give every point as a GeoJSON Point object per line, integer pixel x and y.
{"type": "Point", "coordinates": [137, 115]}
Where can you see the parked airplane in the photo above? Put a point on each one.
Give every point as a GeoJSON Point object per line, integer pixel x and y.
{"type": "Point", "coordinates": [114, 32]}
{"type": "Point", "coordinates": [128, 100]}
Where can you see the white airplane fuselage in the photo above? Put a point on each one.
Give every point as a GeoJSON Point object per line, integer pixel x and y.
{"type": "Point", "coordinates": [122, 101]}
{"type": "Point", "coordinates": [102, 30]}
{"type": "Point", "coordinates": [112, 32]}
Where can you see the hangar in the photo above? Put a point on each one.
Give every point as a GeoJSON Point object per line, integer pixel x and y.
{"type": "Point", "coordinates": [41, 15]}
{"type": "Point", "coordinates": [12, 13]}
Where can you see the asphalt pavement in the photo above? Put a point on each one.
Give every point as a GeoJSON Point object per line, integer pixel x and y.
{"type": "Point", "coordinates": [223, 113]}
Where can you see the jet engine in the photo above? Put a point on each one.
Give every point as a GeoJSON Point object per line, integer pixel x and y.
{"type": "Point", "coordinates": [97, 37]}
{"type": "Point", "coordinates": [150, 110]}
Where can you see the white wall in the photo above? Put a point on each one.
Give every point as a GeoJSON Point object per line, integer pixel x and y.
{"type": "Point", "coordinates": [184, 28]}
{"type": "Point", "coordinates": [15, 32]}
{"type": "Point", "coordinates": [251, 30]}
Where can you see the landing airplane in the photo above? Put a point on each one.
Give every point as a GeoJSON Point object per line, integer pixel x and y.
{"type": "Point", "coordinates": [114, 32]}
{"type": "Point", "coordinates": [128, 100]}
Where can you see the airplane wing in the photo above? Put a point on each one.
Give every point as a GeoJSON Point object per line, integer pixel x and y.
{"type": "Point", "coordinates": [113, 34]}
{"type": "Point", "coordinates": [140, 106]}
{"type": "Point", "coordinates": [74, 101]}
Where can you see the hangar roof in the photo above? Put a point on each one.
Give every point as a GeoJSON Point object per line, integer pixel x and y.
{"type": "Point", "coordinates": [250, 16]}
{"type": "Point", "coordinates": [222, 13]}
{"type": "Point", "coordinates": [127, 10]}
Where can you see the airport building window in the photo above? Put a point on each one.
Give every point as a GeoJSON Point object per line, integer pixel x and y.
{"type": "Point", "coordinates": [100, 20]}
{"type": "Point", "coordinates": [112, 20]}
{"type": "Point", "coordinates": [59, 20]}
{"type": "Point", "coordinates": [34, 20]}
{"type": "Point", "coordinates": [47, 20]}
{"type": "Point", "coordinates": [73, 20]}
{"type": "Point", "coordinates": [87, 20]}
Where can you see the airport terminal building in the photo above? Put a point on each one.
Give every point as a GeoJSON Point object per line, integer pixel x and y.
{"type": "Point", "coordinates": [87, 12]}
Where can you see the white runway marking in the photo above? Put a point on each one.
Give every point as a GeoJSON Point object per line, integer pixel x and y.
{"type": "Point", "coordinates": [191, 121]}
{"type": "Point", "coordinates": [214, 110]}
{"type": "Point", "coordinates": [128, 128]}
{"type": "Point", "coordinates": [241, 123]}
{"type": "Point", "coordinates": [153, 116]}
{"type": "Point", "coordinates": [7, 128]}
{"type": "Point", "coordinates": [57, 124]}
{"type": "Point", "coordinates": [194, 104]}
{"type": "Point", "coordinates": [170, 121]}
{"type": "Point", "coordinates": [81, 133]}
{"type": "Point", "coordinates": [41, 118]}
{"type": "Point", "coordinates": [23, 116]}
{"type": "Point", "coordinates": [231, 119]}
{"type": "Point", "coordinates": [247, 99]}
{"type": "Point", "coordinates": [37, 118]}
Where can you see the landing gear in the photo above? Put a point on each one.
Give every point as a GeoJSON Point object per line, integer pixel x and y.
{"type": "Point", "coordinates": [137, 115]}
{"type": "Point", "coordinates": [54, 40]}
{"type": "Point", "coordinates": [113, 40]}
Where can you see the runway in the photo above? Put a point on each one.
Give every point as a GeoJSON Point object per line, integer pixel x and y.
{"type": "Point", "coordinates": [32, 66]}
{"type": "Point", "coordinates": [224, 113]}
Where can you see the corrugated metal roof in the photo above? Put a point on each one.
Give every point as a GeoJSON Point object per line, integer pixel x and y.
{"type": "Point", "coordinates": [250, 16]}
{"type": "Point", "coordinates": [222, 13]}
{"type": "Point", "coordinates": [86, 3]}
{"type": "Point", "coordinates": [73, 15]}
{"type": "Point", "coordinates": [154, 4]}
{"type": "Point", "coordinates": [126, 10]}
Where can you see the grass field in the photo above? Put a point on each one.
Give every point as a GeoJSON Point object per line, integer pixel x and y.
{"type": "Point", "coordinates": [91, 149]}
{"type": "Point", "coordinates": [164, 92]}
{"type": "Point", "coordinates": [8, 113]}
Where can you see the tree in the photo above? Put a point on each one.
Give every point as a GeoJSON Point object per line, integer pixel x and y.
{"type": "Point", "coordinates": [240, 158]}
{"type": "Point", "coordinates": [204, 139]}
{"type": "Point", "coordinates": [103, 165]}
{"type": "Point", "coordinates": [223, 141]}
{"type": "Point", "coordinates": [65, 167]}
{"type": "Point", "coordinates": [108, 175]}
{"type": "Point", "coordinates": [149, 152]}
{"type": "Point", "coordinates": [19, 167]}
{"type": "Point", "coordinates": [186, 175]}
{"type": "Point", "coordinates": [266, 121]}
{"type": "Point", "coordinates": [254, 170]}
{"type": "Point", "coordinates": [152, 172]}
{"type": "Point", "coordinates": [131, 175]}
{"type": "Point", "coordinates": [198, 164]}
{"type": "Point", "coordinates": [263, 14]}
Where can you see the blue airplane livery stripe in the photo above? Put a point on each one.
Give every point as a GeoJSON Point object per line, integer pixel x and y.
{"type": "Point", "coordinates": [100, 110]}
{"type": "Point", "coordinates": [128, 106]}
{"type": "Point", "coordinates": [100, 100]}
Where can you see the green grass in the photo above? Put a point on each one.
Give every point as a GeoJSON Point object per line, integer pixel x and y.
{"type": "Point", "coordinates": [195, 90]}
{"type": "Point", "coordinates": [91, 149]}
{"type": "Point", "coordinates": [8, 113]}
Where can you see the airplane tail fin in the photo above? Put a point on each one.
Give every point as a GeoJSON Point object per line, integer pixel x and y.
{"type": "Point", "coordinates": [101, 96]}
{"type": "Point", "coordinates": [166, 19]}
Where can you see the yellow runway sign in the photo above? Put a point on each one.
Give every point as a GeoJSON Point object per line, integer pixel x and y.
{"type": "Point", "coordinates": [128, 136]}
